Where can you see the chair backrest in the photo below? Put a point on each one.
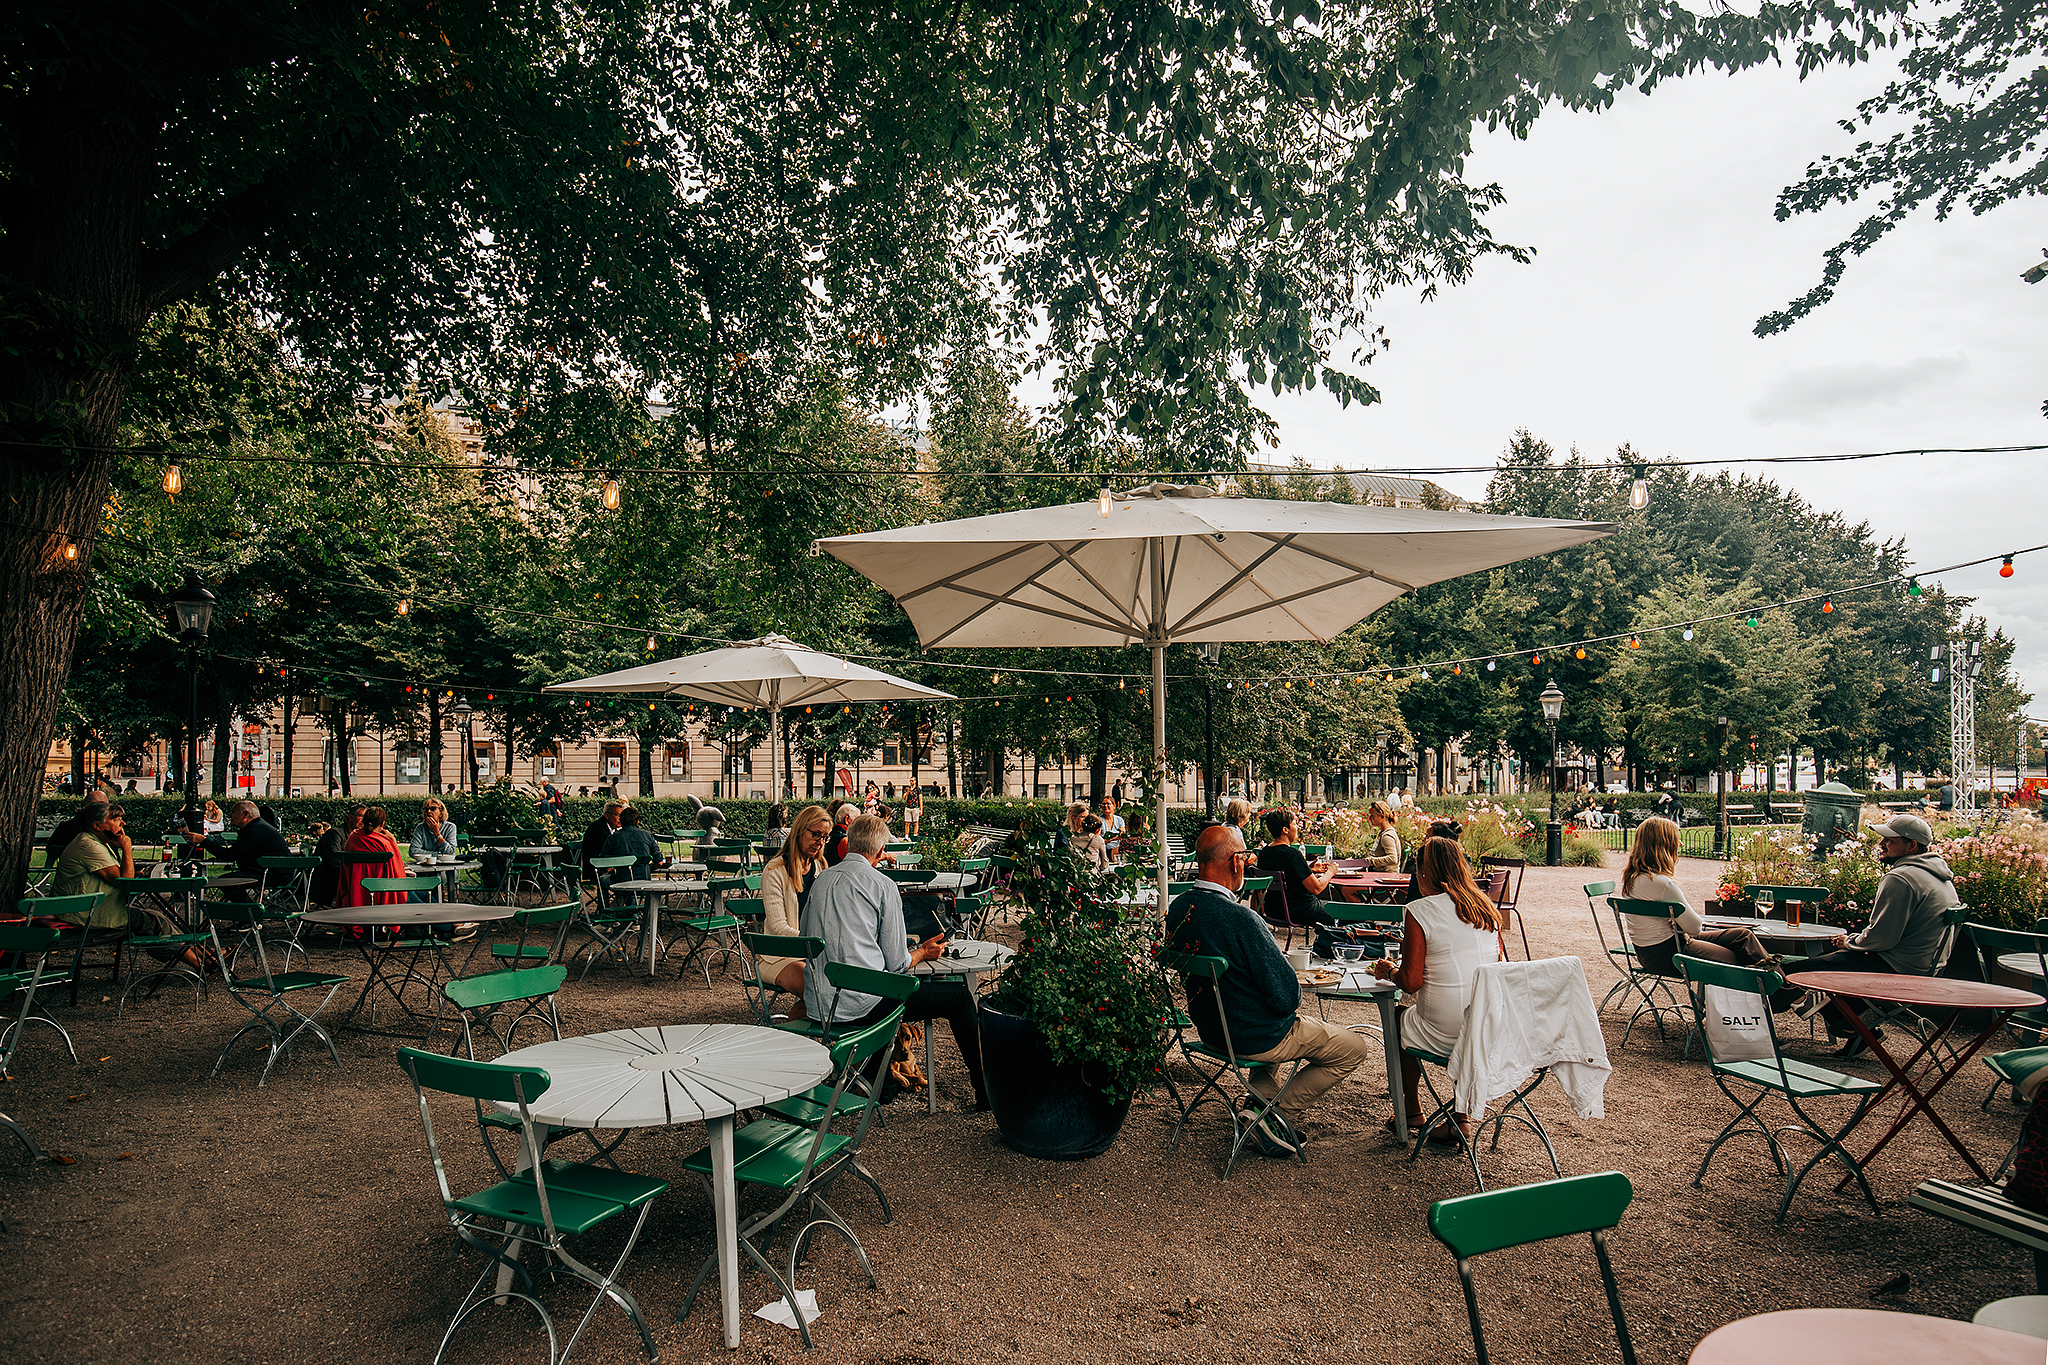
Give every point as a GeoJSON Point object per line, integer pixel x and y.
{"type": "Point", "coordinates": [868, 980]}
{"type": "Point", "coordinates": [1179, 888]}
{"type": "Point", "coordinates": [1518, 868]}
{"type": "Point", "coordinates": [1206, 969]}
{"type": "Point", "coordinates": [1757, 981]}
{"type": "Point", "coordinates": [973, 864]}
{"type": "Point", "coordinates": [400, 883]}
{"type": "Point", "coordinates": [545, 914]}
{"type": "Point", "coordinates": [354, 857]}
{"type": "Point", "coordinates": [1952, 921]}
{"type": "Point", "coordinates": [60, 907]}
{"type": "Point", "coordinates": [782, 945]}
{"type": "Point", "coordinates": [1251, 884]}
{"type": "Point", "coordinates": [1993, 942]}
{"type": "Point", "coordinates": [746, 907]}
{"type": "Point", "coordinates": [495, 840]}
{"type": "Point", "coordinates": [1474, 1224]}
{"type": "Point", "coordinates": [288, 864]}
{"type": "Point", "coordinates": [910, 875]}
{"type": "Point", "coordinates": [27, 939]}
{"type": "Point", "coordinates": [1377, 914]}
{"type": "Point", "coordinates": [481, 1082]}
{"type": "Point", "coordinates": [496, 988]}
{"type": "Point", "coordinates": [613, 864]}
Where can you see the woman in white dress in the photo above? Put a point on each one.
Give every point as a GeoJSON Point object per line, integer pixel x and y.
{"type": "Point", "coordinates": [1452, 929]}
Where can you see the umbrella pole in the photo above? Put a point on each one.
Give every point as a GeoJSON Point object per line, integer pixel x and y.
{"type": "Point", "coordinates": [774, 752]}
{"type": "Point", "coordinates": [1159, 764]}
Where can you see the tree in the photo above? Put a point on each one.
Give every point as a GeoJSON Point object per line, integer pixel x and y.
{"type": "Point", "coordinates": [1974, 94]}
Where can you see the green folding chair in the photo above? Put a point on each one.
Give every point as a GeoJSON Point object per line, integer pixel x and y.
{"type": "Point", "coordinates": [1622, 956]}
{"type": "Point", "coordinates": [1642, 982]}
{"type": "Point", "coordinates": [546, 1204]}
{"type": "Point", "coordinates": [1474, 1224]}
{"type": "Point", "coordinates": [974, 914]}
{"type": "Point", "coordinates": [481, 1002]}
{"type": "Point", "coordinates": [32, 945]}
{"type": "Point", "coordinates": [286, 893]}
{"type": "Point", "coordinates": [1444, 1108]}
{"type": "Point", "coordinates": [606, 924]}
{"type": "Point", "coordinates": [1276, 1136]}
{"type": "Point", "coordinates": [1797, 1083]}
{"type": "Point", "coordinates": [268, 995]}
{"type": "Point", "coordinates": [762, 993]}
{"type": "Point", "coordinates": [176, 945]}
{"type": "Point", "coordinates": [714, 933]}
{"type": "Point", "coordinates": [542, 918]}
{"type": "Point", "coordinates": [802, 1160]}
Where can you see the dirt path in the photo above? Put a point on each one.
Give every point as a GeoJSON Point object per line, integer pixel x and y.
{"type": "Point", "coordinates": [209, 1221]}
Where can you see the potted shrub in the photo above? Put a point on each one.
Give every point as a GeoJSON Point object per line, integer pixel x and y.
{"type": "Point", "coordinates": [1072, 1030]}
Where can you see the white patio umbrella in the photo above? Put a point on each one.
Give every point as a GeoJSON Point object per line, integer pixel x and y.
{"type": "Point", "coordinates": [1167, 564]}
{"type": "Point", "coordinates": [773, 672]}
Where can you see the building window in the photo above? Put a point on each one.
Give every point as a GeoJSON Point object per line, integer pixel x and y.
{"type": "Point", "coordinates": [411, 763]}
{"type": "Point", "coordinates": [890, 756]}
{"type": "Point", "coordinates": [678, 762]}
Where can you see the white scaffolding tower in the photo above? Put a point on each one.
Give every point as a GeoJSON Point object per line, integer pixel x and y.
{"type": "Point", "coordinates": [1965, 661]}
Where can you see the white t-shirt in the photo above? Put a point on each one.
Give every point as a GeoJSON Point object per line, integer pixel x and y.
{"type": "Point", "coordinates": [1452, 952]}
{"type": "Point", "coordinates": [1646, 931]}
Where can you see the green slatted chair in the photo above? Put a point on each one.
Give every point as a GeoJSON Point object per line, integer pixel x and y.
{"type": "Point", "coordinates": [1178, 888]}
{"type": "Point", "coordinates": [608, 925]}
{"type": "Point", "coordinates": [975, 914]}
{"type": "Point", "coordinates": [268, 995]}
{"type": "Point", "coordinates": [2031, 950]}
{"type": "Point", "coordinates": [286, 893]}
{"type": "Point", "coordinates": [1474, 1224]}
{"type": "Point", "coordinates": [1275, 1136]}
{"type": "Point", "coordinates": [33, 943]}
{"type": "Point", "coordinates": [1621, 957]}
{"type": "Point", "coordinates": [1370, 917]}
{"type": "Point", "coordinates": [1797, 1083]}
{"type": "Point", "coordinates": [176, 944]}
{"type": "Point", "coordinates": [541, 917]}
{"type": "Point", "coordinates": [481, 1001]}
{"type": "Point", "coordinates": [715, 933]}
{"type": "Point", "coordinates": [761, 994]}
{"type": "Point", "coordinates": [549, 1204]}
{"type": "Point", "coordinates": [1646, 984]}
{"type": "Point", "coordinates": [802, 1160]}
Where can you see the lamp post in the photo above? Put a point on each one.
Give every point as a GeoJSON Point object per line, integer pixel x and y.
{"type": "Point", "coordinates": [1211, 653]}
{"type": "Point", "coordinates": [1721, 724]}
{"type": "Point", "coordinates": [194, 606]}
{"type": "Point", "coordinates": [463, 711]}
{"type": "Point", "coordinates": [1553, 835]}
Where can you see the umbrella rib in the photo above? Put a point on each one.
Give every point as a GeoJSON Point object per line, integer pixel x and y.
{"type": "Point", "coordinates": [996, 600]}
{"type": "Point", "coordinates": [951, 579]}
{"type": "Point", "coordinates": [1281, 602]}
{"type": "Point", "coordinates": [1092, 582]}
{"type": "Point", "coordinates": [1240, 577]}
{"type": "Point", "coordinates": [1279, 543]}
{"type": "Point", "coordinates": [1329, 558]}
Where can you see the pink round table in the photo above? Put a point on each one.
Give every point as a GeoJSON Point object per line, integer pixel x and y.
{"type": "Point", "coordinates": [1862, 1336]}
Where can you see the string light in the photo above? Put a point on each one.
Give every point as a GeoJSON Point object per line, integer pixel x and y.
{"type": "Point", "coordinates": [174, 481]}
{"type": "Point", "coordinates": [1489, 665]}
{"type": "Point", "coordinates": [1102, 502]}
{"type": "Point", "coordinates": [650, 644]}
{"type": "Point", "coordinates": [1537, 659]}
{"type": "Point", "coordinates": [71, 550]}
{"type": "Point", "coordinates": [1688, 632]}
{"type": "Point", "coordinates": [405, 606]}
{"type": "Point", "coordinates": [1582, 652]}
{"type": "Point", "coordinates": [611, 495]}
{"type": "Point", "coordinates": [1634, 643]}
{"type": "Point", "coordinates": [1752, 623]}
{"type": "Point", "coordinates": [1639, 489]}
{"type": "Point", "coordinates": [1457, 668]}
{"type": "Point", "coordinates": [2005, 569]}
{"type": "Point", "coordinates": [1827, 606]}
{"type": "Point", "coordinates": [1913, 587]}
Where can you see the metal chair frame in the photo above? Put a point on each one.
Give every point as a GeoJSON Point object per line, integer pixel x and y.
{"type": "Point", "coordinates": [275, 989]}
{"type": "Point", "coordinates": [1640, 979]}
{"type": "Point", "coordinates": [1213, 1065]}
{"type": "Point", "coordinates": [1509, 898]}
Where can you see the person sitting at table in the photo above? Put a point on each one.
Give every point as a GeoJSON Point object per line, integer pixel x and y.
{"type": "Point", "coordinates": [1089, 843]}
{"type": "Point", "coordinates": [1259, 994]}
{"type": "Point", "coordinates": [1114, 826]}
{"type": "Point", "coordinates": [631, 841]}
{"type": "Point", "coordinates": [843, 815]}
{"type": "Point", "coordinates": [778, 828]}
{"type": "Point", "coordinates": [1386, 852]}
{"type": "Point", "coordinates": [858, 913]}
{"type": "Point", "coordinates": [371, 837]}
{"type": "Point", "coordinates": [97, 852]}
{"type": "Point", "coordinates": [1905, 930]}
{"type": "Point", "coordinates": [1451, 930]}
{"type": "Point", "coordinates": [255, 840]}
{"type": "Point", "coordinates": [785, 890]}
{"type": "Point", "coordinates": [435, 832]}
{"type": "Point", "coordinates": [1648, 877]}
{"type": "Point", "coordinates": [212, 821]}
{"type": "Point", "coordinates": [595, 835]}
{"type": "Point", "coordinates": [1070, 825]}
{"type": "Point", "coordinates": [1299, 885]}
{"type": "Point", "coordinates": [329, 840]}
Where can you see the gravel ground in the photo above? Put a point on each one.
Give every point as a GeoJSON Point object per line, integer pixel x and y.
{"type": "Point", "coordinates": [206, 1220]}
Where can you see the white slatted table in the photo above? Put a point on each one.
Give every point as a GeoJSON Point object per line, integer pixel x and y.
{"type": "Point", "coordinates": [669, 1074]}
{"type": "Point", "coordinates": [652, 893]}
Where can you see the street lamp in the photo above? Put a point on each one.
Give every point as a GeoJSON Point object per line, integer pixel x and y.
{"type": "Point", "coordinates": [194, 608]}
{"type": "Point", "coordinates": [1553, 836]}
{"type": "Point", "coordinates": [1211, 653]}
{"type": "Point", "coordinates": [463, 711]}
{"type": "Point", "coordinates": [1721, 727]}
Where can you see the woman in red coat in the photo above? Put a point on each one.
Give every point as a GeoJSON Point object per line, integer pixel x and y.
{"type": "Point", "coordinates": [371, 838]}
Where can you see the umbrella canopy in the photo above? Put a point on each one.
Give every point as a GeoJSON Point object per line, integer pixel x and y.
{"type": "Point", "coordinates": [772, 672]}
{"type": "Point", "coordinates": [1167, 564]}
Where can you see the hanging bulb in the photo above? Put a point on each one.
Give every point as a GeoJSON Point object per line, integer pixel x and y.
{"type": "Point", "coordinates": [1827, 606]}
{"type": "Point", "coordinates": [1537, 659]}
{"type": "Point", "coordinates": [1688, 632]}
{"type": "Point", "coordinates": [1752, 623]}
{"type": "Point", "coordinates": [405, 606]}
{"type": "Point", "coordinates": [1390, 677]}
{"type": "Point", "coordinates": [998, 679]}
{"type": "Point", "coordinates": [1639, 493]}
{"type": "Point", "coordinates": [611, 495]}
{"type": "Point", "coordinates": [1581, 652]}
{"type": "Point", "coordinates": [1634, 643]}
{"type": "Point", "coordinates": [1913, 587]}
{"type": "Point", "coordinates": [1119, 684]}
{"type": "Point", "coordinates": [174, 481]}
{"type": "Point", "coordinates": [1457, 668]}
{"type": "Point", "coordinates": [1288, 685]}
{"type": "Point", "coordinates": [1425, 673]}
{"type": "Point", "coordinates": [2005, 569]}
{"type": "Point", "coordinates": [650, 644]}
{"type": "Point", "coordinates": [71, 550]}
{"type": "Point", "coordinates": [1102, 503]}
{"type": "Point", "coordinates": [1489, 665]}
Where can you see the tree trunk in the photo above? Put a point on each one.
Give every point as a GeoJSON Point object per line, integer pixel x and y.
{"type": "Point", "coordinates": [339, 728]}
{"type": "Point", "coordinates": [288, 727]}
{"type": "Point", "coordinates": [223, 739]}
{"type": "Point", "coordinates": [78, 760]}
{"type": "Point", "coordinates": [647, 741]}
{"type": "Point", "coordinates": [952, 769]}
{"type": "Point", "coordinates": [433, 741]}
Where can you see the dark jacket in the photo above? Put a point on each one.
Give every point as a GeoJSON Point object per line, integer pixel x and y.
{"type": "Point", "coordinates": [1259, 993]}
{"type": "Point", "coordinates": [257, 839]}
{"type": "Point", "coordinates": [593, 842]}
{"type": "Point", "coordinates": [636, 843]}
{"type": "Point", "coordinates": [1905, 927]}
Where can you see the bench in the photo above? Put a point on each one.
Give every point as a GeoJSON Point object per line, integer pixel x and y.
{"type": "Point", "coordinates": [997, 834]}
{"type": "Point", "coordinates": [1989, 1211]}
{"type": "Point", "coordinates": [1900, 805]}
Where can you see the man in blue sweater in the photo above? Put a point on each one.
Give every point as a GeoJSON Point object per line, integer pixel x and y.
{"type": "Point", "coordinates": [1259, 994]}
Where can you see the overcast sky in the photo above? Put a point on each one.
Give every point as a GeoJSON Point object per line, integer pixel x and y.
{"type": "Point", "coordinates": [1657, 251]}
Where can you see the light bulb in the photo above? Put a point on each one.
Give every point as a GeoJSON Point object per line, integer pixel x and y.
{"type": "Point", "coordinates": [174, 481]}
{"type": "Point", "coordinates": [1752, 623]}
{"type": "Point", "coordinates": [611, 495]}
{"type": "Point", "coordinates": [1489, 665]}
{"type": "Point", "coordinates": [1425, 673]}
{"type": "Point", "coordinates": [71, 550]}
{"type": "Point", "coordinates": [405, 606]}
{"type": "Point", "coordinates": [1634, 643]}
{"type": "Point", "coordinates": [1537, 659]}
{"type": "Point", "coordinates": [1581, 652]}
{"type": "Point", "coordinates": [650, 644]}
{"type": "Point", "coordinates": [2005, 569]}
{"type": "Point", "coordinates": [1827, 606]}
{"type": "Point", "coordinates": [1102, 503]}
{"type": "Point", "coordinates": [1913, 587]}
{"type": "Point", "coordinates": [1457, 668]}
{"type": "Point", "coordinates": [1639, 494]}
{"type": "Point", "coordinates": [1688, 632]}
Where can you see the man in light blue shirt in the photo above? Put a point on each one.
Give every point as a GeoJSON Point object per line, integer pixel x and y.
{"type": "Point", "coordinates": [858, 913]}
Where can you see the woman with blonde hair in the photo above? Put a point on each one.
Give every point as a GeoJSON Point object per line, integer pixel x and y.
{"type": "Point", "coordinates": [1452, 930]}
{"type": "Point", "coordinates": [1237, 813]}
{"type": "Point", "coordinates": [211, 821]}
{"type": "Point", "coordinates": [785, 890]}
{"type": "Point", "coordinates": [1386, 853]}
{"type": "Point", "coordinates": [1656, 939]}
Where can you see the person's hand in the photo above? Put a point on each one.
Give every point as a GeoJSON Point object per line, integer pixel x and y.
{"type": "Point", "coordinates": [889, 858]}
{"type": "Point", "coordinates": [1382, 970]}
{"type": "Point", "coordinates": [126, 842]}
{"type": "Point", "coordinates": [928, 950]}
{"type": "Point", "coordinates": [1838, 942]}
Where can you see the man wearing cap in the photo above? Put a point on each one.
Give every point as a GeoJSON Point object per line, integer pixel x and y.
{"type": "Point", "coordinates": [1905, 929]}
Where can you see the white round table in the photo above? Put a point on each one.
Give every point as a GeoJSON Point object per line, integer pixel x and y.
{"type": "Point", "coordinates": [1773, 928]}
{"type": "Point", "coordinates": [651, 893]}
{"type": "Point", "coordinates": [413, 915]}
{"type": "Point", "coordinates": [2021, 964]}
{"type": "Point", "coordinates": [669, 1074]}
{"type": "Point", "coordinates": [968, 960]}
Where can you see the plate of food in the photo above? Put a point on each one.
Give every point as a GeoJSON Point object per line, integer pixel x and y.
{"type": "Point", "coordinates": [1320, 978]}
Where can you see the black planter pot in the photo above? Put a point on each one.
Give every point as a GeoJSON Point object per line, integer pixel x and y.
{"type": "Point", "coordinates": [1043, 1109]}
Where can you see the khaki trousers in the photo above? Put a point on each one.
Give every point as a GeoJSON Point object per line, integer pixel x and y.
{"type": "Point", "coordinates": [1331, 1054]}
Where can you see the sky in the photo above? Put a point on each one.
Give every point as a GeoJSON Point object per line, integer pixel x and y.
{"type": "Point", "coordinates": [1657, 250]}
